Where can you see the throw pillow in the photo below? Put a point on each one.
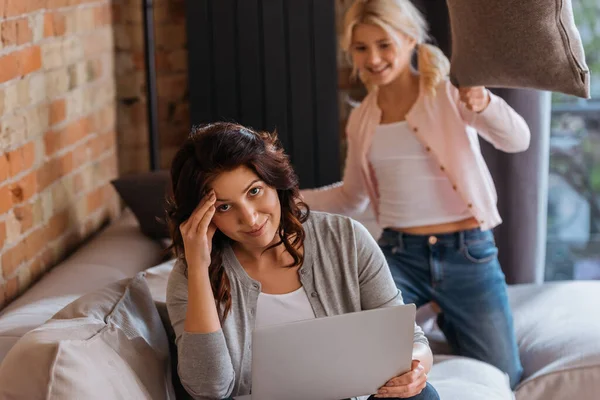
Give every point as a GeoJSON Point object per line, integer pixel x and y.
{"type": "Point", "coordinates": [109, 344]}
{"type": "Point", "coordinates": [516, 43]}
{"type": "Point", "coordinates": [145, 195]}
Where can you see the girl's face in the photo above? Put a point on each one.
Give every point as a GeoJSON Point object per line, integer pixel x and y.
{"type": "Point", "coordinates": [379, 59]}
{"type": "Point", "coordinates": [247, 210]}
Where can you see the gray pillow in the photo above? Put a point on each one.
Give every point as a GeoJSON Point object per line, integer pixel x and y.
{"type": "Point", "coordinates": [109, 344]}
{"type": "Point", "coordinates": [517, 43]}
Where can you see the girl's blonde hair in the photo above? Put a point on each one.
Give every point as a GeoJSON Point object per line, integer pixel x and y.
{"type": "Point", "coordinates": [394, 17]}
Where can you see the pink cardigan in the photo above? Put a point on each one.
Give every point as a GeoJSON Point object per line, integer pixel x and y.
{"type": "Point", "coordinates": [449, 131]}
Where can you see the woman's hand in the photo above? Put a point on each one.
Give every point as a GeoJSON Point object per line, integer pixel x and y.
{"type": "Point", "coordinates": [406, 385]}
{"type": "Point", "coordinates": [197, 233]}
{"type": "Point", "coordinates": [475, 98]}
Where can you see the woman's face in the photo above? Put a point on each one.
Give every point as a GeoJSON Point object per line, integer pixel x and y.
{"type": "Point", "coordinates": [247, 210]}
{"type": "Point", "coordinates": [377, 56]}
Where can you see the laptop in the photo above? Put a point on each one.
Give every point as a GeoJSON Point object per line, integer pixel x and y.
{"type": "Point", "coordinates": [333, 358]}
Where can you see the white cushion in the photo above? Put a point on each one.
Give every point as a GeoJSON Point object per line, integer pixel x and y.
{"type": "Point", "coordinates": [558, 331]}
{"type": "Point", "coordinates": [461, 378]}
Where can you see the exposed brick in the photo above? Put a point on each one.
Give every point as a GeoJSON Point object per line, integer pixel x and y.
{"type": "Point", "coordinates": [93, 69]}
{"type": "Point", "coordinates": [102, 15]}
{"type": "Point", "coordinates": [11, 290]}
{"type": "Point", "coordinates": [36, 120]}
{"type": "Point", "coordinates": [37, 26]}
{"type": "Point", "coordinates": [2, 234]}
{"type": "Point", "coordinates": [9, 68]}
{"type": "Point", "coordinates": [12, 258]}
{"type": "Point", "coordinates": [57, 111]}
{"type": "Point", "coordinates": [2, 105]}
{"type": "Point", "coordinates": [35, 242]}
{"type": "Point", "coordinates": [24, 214]}
{"type": "Point", "coordinates": [52, 56]}
{"type": "Point", "coordinates": [16, 8]}
{"type": "Point", "coordinates": [8, 33]}
{"type": "Point", "coordinates": [23, 92]}
{"type": "Point", "coordinates": [23, 279]}
{"type": "Point", "coordinates": [24, 188]}
{"type": "Point", "coordinates": [4, 172]}
{"type": "Point", "coordinates": [54, 169]}
{"type": "Point", "coordinates": [21, 159]}
{"type": "Point", "coordinates": [95, 199]}
{"type": "Point", "coordinates": [57, 140]}
{"type": "Point", "coordinates": [54, 24]}
{"type": "Point", "coordinates": [5, 199]}
{"type": "Point", "coordinates": [57, 82]}
{"type": "Point", "coordinates": [58, 225]}
{"type": "Point", "coordinates": [13, 228]}
{"type": "Point", "coordinates": [30, 60]}
{"type": "Point", "coordinates": [24, 32]}
{"type": "Point", "coordinates": [37, 88]}
{"type": "Point", "coordinates": [38, 211]}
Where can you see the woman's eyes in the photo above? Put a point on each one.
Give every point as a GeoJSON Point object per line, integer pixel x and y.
{"type": "Point", "coordinates": [223, 207]}
{"type": "Point", "coordinates": [384, 45]}
{"type": "Point", "coordinates": [360, 48]}
{"type": "Point", "coordinates": [252, 192]}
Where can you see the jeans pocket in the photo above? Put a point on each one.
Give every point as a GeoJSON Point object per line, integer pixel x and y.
{"type": "Point", "coordinates": [480, 251]}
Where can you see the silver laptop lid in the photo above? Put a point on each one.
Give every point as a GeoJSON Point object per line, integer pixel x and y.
{"type": "Point", "coordinates": [332, 358]}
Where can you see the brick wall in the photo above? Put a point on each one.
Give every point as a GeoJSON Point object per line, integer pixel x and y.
{"type": "Point", "coordinates": [171, 63]}
{"type": "Point", "coordinates": [57, 132]}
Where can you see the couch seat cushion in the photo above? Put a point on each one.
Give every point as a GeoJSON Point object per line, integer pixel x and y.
{"type": "Point", "coordinates": [461, 378]}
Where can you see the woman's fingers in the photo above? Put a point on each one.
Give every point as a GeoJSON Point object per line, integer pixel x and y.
{"type": "Point", "coordinates": [403, 391]}
{"type": "Point", "coordinates": [198, 214]}
{"type": "Point", "coordinates": [417, 370]}
{"type": "Point", "coordinates": [204, 223]}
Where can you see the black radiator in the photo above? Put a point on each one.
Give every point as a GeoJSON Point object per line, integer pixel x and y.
{"type": "Point", "coordinates": [269, 64]}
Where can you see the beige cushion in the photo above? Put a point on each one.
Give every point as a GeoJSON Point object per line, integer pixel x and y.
{"type": "Point", "coordinates": [517, 43]}
{"type": "Point", "coordinates": [118, 252]}
{"type": "Point", "coordinates": [109, 344]}
{"type": "Point", "coordinates": [461, 378]}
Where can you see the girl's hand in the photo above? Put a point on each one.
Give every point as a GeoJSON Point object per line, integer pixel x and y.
{"type": "Point", "coordinates": [475, 98]}
{"type": "Point", "coordinates": [197, 233]}
{"type": "Point", "coordinates": [406, 385]}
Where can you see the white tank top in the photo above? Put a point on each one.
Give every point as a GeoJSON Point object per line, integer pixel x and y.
{"type": "Point", "coordinates": [413, 191]}
{"type": "Point", "coordinates": [281, 308]}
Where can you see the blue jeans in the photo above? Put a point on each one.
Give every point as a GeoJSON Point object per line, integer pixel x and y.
{"type": "Point", "coordinates": [461, 273]}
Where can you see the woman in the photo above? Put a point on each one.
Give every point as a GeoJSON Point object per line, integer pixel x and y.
{"type": "Point", "coordinates": [413, 154]}
{"type": "Point", "coordinates": [250, 253]}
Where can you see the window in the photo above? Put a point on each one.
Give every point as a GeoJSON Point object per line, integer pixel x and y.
{"type": "Point", "coordinates": [573, 235]}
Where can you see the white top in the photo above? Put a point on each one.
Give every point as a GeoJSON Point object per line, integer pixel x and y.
{"type": "Point", "coordinates": [274, 309]}
{"type": "Point", "coordinates": [413, 191]}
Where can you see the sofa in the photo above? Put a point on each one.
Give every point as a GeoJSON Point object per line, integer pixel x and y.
{"type": "Point", "coordinates": [96, 327]}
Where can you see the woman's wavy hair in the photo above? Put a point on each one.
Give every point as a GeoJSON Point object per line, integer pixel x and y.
{"type": "Point", "coordinates": [219, 147]}
{"type": "Point", "coordinates": [398, 16]}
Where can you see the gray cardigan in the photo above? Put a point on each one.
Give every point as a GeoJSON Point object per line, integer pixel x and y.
{"type": "Point", "coordinates": [343, 271]}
